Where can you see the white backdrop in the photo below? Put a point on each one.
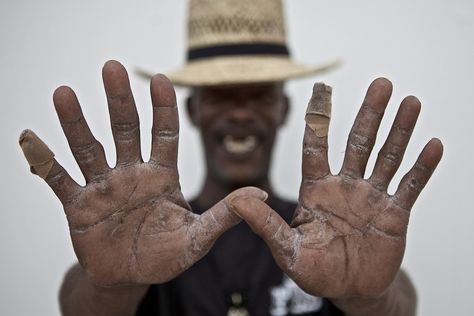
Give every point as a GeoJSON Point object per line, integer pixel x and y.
{"type": "Point", "coordinates": [426, 47]}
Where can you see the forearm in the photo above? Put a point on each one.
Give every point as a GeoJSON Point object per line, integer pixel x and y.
{"type": "Point", "coordinates": [398, 300]}
{"type": "Point", "coordinates": [79, 296]}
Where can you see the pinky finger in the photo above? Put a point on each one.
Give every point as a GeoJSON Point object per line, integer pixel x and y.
{"type": "Point", "coordinates": [42, 163]}
{"type": "Point", "coordinates": [415, 180]}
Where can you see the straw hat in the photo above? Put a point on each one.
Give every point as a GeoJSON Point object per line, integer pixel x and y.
{"type": "Point", "coordinates": [237, 42]}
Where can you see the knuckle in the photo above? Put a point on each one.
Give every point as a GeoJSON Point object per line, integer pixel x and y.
{"type": "Point", "coordinates": [403, 130]}
{"type": "Point", "coordinates": [165, 135]}
{"type": "Point", "coordinates": [268, 220]}
{"type": "Point", "coordinates": [391, 158]}
{"type": "Point", "coordinates": [360, 143]}
{"type": "Point", "coordinates": [125, 131]}
{"type": "Point", "coordinates": [391, 154]}
{"type": "Point", "coordinates": [118, 99]}
{"type": "Point", "coordinates": [87, 152]}
{"type": "Point", "coordinates": [421, 168]}
{"type": "Point", "coordinates": [314, 151]}
{"type": "Point", "coordinates": [401, 203]}
{"type": "Point", "coordinates": [370, 108]}
{"type": "Point", "coordinates": [56, 176]}
{"type": "Point", "coordinates": [57, 180]}
{"type": "Point", "coordinates": [73, 122]}
{"type": "Point", "coordinates": [414, 184]}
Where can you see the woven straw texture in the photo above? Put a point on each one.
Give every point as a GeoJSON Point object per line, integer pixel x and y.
{"type": "Point", "coordinates": [243, 70]}
{"type": "Point", "coordinates": [218, 22]}
{"type": "Point", "coordinates": [214, 23]}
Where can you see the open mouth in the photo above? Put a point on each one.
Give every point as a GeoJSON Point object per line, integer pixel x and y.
{"type": "Point", "coordinates": [239, 145]}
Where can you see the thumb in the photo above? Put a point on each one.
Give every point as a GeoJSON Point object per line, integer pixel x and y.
{"type": "Point", "coordinates": [268, 224]}
{"type": "Point", "coordinates": [219, 218]}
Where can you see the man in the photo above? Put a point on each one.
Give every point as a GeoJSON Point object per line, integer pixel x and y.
{"type": "Point", "coordinates": [142, 249]}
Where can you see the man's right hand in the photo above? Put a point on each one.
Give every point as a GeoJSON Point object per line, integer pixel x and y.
{"type": "Point", "coordinates": [130, 224]}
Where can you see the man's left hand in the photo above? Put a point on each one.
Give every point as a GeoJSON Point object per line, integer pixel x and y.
{"type": "Point", "coordinates": [347, 238]}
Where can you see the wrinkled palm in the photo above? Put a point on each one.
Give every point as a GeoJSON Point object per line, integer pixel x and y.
{"type": "Point", "coordinates": [130, 224]}
{"type": "Point", "coordinates": [348, 234]}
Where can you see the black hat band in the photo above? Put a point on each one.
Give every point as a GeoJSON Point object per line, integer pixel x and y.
{"type": "Point", "coordinates": [238, 49]}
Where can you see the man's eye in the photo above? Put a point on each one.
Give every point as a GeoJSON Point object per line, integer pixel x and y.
{"type": "Point", "coordinates": [214, 101]}
{"type": "Point", "coordinates": [266, 100]}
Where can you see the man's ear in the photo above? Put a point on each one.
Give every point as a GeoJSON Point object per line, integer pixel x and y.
{"type": "Point", "coordinates": [192, 111]}
{"type": "Point", "coordinates": [284, 110]}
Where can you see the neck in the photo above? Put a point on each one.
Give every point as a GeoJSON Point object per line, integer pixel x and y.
{"type": "Point", "coordinates": [215, 190]}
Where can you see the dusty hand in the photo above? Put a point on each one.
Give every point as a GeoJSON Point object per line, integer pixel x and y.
{"type": "Point", "coordinates": [129, 224]}
{"type": "Point", "coordinates": [347, 238]}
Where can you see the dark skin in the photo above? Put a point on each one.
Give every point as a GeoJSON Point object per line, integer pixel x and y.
{"type": "Point", "coordinates": [344, 225]}
{"type": "Point", "coordinates": [347, 238]}
{"type": "Point", "coordinates": [257, 110]}
{"type": "Point", "coordinates": [131, 226]}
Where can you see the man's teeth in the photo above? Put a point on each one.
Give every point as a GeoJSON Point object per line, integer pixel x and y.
{"type": "Point", "coordinates": [240, 146]}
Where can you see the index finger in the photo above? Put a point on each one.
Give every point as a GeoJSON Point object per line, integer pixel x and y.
{"type": "Point", "coordinates": [87, 150]}
{"type": "Point", "coordinates": [315, 163]}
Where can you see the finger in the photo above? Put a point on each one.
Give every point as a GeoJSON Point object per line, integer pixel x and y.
{"type": "Point", "coordinates": [415, 180]}
{"type": "Point", "coordinates": [391, 154]}
{"type": "Point", "coordinates": [42, 163]}
{"type": "Point", "coordinates": [87, 151]}
{"type": "Point", "coordinates": [315, 144]}
{"type": "Point", "coordinates": [165, 131]}
{"type": "Point", "coordinates": [364, 131]}
{"type": "Point", "coordinates": [220, 217]}
{"type": "Point", "coordinates": [123, 113]}
{"type": "Point", "coordinates": [266, 223]}
{"type": "Point", "coordinates": [315, 156]}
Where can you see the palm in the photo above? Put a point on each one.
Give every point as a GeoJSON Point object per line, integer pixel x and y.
{"type": "Point", "coordinates": [347, 237]}
{"type": "Point", "coordinates": [129, 224]}
{"type": "Point", "coordinates": [122, 217]}
{"type": "Point", "coordinates": [350, 227]}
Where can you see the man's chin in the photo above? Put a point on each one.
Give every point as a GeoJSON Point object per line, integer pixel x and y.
{"type": "Point", "coordinates": [240, 177]}
{"type": "Point", "coordinates": [240, 170]}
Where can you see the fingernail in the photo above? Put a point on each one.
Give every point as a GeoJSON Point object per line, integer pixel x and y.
{"type": "Point", "coordinates": [233, 208]}
{"type": "Point", "coordinates": [264, 195]}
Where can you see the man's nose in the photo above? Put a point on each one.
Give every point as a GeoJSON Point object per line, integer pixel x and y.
{"type": "Point", "coordinates": [241, 113]}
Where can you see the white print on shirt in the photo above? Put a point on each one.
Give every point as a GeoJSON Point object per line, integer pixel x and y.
{"type": "Point", "coordinates": [288, 298]}
{"type": "Point", "coordinates": [237, 312]}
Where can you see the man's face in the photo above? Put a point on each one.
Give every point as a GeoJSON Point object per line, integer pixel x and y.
{"type": "Point", "coordinates": [238, 125]}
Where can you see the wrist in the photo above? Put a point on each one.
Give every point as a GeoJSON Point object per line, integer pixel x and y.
{"type": "Point", "coordinates": [128, 292]}
{"type": "Point", "coordinates": [80, 296]}
{"type": "Point", "coordinates": [101, 290]}
{"type": "Point", "coordinates": [397, 300]}
{"type": "Point", "coordinates": [367, 306]}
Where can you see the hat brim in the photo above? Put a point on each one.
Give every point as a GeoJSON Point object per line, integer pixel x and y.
{"type": "Point", "coordinates": [231, 70]}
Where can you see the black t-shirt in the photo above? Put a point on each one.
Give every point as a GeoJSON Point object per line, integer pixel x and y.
{"type": "Point", "coordinates": [238, 274]}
